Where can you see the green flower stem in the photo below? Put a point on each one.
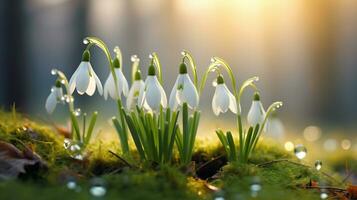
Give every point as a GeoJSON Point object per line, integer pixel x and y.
{"type": "Point", "coordinates": [270, 110]}
{"type": "Point", "coordinates": [187, 55]}
{"type": "Point", "coordinates": [157, 64]}
{"type": "Point", "coordinates": [98, 42]}
{"type": "Point", "coordinates": [73, 118]}
{"type": "Point", "coordinates": [214, 66]}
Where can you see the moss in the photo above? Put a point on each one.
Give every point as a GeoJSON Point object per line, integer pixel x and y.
{"type": "Point", "coordinates": [147, 180]}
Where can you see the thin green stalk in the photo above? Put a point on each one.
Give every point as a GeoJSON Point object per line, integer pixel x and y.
{"type": "Point", "coordinates": [84, 127]}
{"type": "Point", "coordinates": [91, 127]}
{"type": "Point", "coordinates": [157, 63]}
{"type": "Point", "coordinates": [75, 126]}
{"type": "Point", "coordinates": [187, 54]}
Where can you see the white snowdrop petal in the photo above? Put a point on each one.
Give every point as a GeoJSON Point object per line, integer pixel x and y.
{"type": "Point", "coordinates": [173, 104]}
{"type": "Point", "coordinates": [133, 94]}
{"type": "Point", "coordinates": [275, 129]}
{"type": "Point", "coordinates": [98, 83]}
{"type": "Point", "coordinates": [214, 105]}
{"type": "Point", "coordinates": [106, 89]}
{"type": "Point", "coordinates": [91, 86]}
{"type": "Point", "coordinates": [256, 114]}
{"type": "Point", "coordinates": [232, 100]}
{"type": "Point", "coordinates": [72, 81]}
{"type": "Point", "coordinates": [190, 93]}
{"type": "Point", "coordinates": [222, 98]}
{"type": "Point", "coordinates": [153, 94]}
{"type": "Point", "coordinates": [122, 82]}
{"type": "Point", "coordinates": [51, 102]}
{"type": "Point", "coordinates": [111, 89]}
{"type": "Point", "coordinates": [83, 78]}
{"type": "Point", "coordinates": [141, 97]}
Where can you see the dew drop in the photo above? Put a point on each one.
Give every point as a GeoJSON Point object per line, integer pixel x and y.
{"type": "Point", "coordinates": [300, 151]}
{"type": "Point", "coordinates": [68, 99]}
{"type": "Point", "coordinates": [97, 188]}
{"type": "Point", "coordinates": [134, 58]}
{"type": "Point", "coordinates": [255, 187]}
{"type": "Point", "coordinates": [66, 143]}
{"type": "Point", "coordinates": [52, 89]}
{"type": "Point", "coordinates": [77, 112]}
{"type": "Point", "coordinates": [54, 71]}
{"type": "Point", "coordinates": [323, 194]}
{"type": "Point", "coordinates": [71, 184]}
{"type": "Point", "coordinates": [318, 165]}
{"type": "Point", "coordinates": [213, 60]}
{"type": "Point", "coordinates": [85, 41]}
{"type": "Point", "coordinates": [74, 149]}
{"type": "Point", "coordinates": [214, 83]}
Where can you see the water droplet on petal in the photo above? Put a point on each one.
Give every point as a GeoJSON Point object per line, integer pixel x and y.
{"type": "Point", "coordinates": [85, 41]}
{"type": "Point", "coordinates": [63, 81]}
{"type": "Point", "coordinates": [54, 71]}
{"type": "Point", "coordinates": [318, 165]}
{"type": "Point", "coordinates": [183, 53]}
{"type": "Point", "coordinates": [97, 188]}
{"type": "Point", "coordinates": [52, 89]}
{"type": "Point", "coordinates": [300, 151]}
{"type": "Point", "coordinates": [134, 58]}
{"type": "Point", "coordinates": [213, 60]}
{"type": "Point", "coordinates": [214, 83]}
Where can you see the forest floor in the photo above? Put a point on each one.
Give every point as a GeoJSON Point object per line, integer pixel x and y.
{"type": "Point", "coordinates": [34, 164]}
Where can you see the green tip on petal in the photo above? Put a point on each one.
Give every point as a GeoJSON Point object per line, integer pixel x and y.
{"type": "Point", "coordinates": [220, 79]}
{"type": "Point", "coordinates": [58, 83]}
{"type": "Point", "coordinates": [86, 56]}
{"type": "Point", "coordinates": [151, 71]}
{"type": "Point", "coordinates": [137, 75]}
{"type": "Point", "coordinates": [256, 96]}
{"type": "Point", "coordinates": [116, 63]}
{"type": "Point", "coordinates": [183, 68]}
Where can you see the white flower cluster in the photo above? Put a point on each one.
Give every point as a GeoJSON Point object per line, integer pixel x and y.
{"type": "Point", "coordinates": [150, 94]}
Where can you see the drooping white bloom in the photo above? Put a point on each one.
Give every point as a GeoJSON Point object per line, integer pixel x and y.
{"type": "Point", "coordinates": [184, 91]}
{"type": "Point", "coordinates": [54, 97]}
{"type": "Point", "coordinates": [274, 128]}
{"type": "Point", "coordinates": [134, 91]}
{"type": "Point", "coordinates": [223, 99]}
{"type": "Point", "coordinates": [122, 84]}
{"type": "Point", "coordinates": [84, 79]}
{"type": "Point", "coordinates": [256, 112]}
{"type": "Point", "coordinates": [152, 95]}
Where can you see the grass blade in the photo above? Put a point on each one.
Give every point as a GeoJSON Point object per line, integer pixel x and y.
{"type": "Point", "coordinates": [92, 122]}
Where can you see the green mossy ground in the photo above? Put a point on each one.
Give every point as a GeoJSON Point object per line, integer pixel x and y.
{"type": "Point", "coordinates": [280, 180]}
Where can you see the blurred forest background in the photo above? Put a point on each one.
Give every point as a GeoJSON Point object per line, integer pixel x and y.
{"type": "Point", "coordinates": [305, 52]}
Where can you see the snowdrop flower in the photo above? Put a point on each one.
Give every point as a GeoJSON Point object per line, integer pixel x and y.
{"type": "Point", "coordinates": [84, 79]}
{"type": "Point", "coordinates": [274, 128]}
{"type": "Point", "coordinates": [256, 112]}
{"type": "Point", "coordinates": [134, 91]}
{"type": "Point", "coordinates": [152, 95]}
{"type": "Point", "coordinates": [122, 85]}
{"type": "Point", "coordinates": [223, 99]}
{"type": "Point", "coordinates": [184, 91]}
{"type": "Point", "coordinates": [54, 97]}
